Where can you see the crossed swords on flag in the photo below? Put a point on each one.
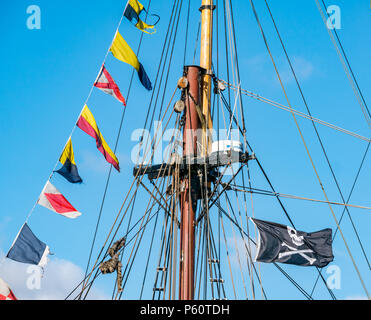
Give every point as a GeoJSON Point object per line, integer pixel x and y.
{"type": "Point", "coordinates": [296, 251]}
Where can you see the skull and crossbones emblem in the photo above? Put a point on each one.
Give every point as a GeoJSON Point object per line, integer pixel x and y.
{"type": "Point", "coordinates": [298, 241]}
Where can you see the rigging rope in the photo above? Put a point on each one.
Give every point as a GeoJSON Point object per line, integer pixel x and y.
{"type": "Point", "coordinates": [155, 85]}
{"type": "Point", "coordinates": [127, 243]}
{"type": "Point", "coordinates": [350, 68]}
{"type": "Point", "coordinates": [341, 218]}
{"type": "Point", "coordinates": [289, 196]}
{"type": "Point", "coordinates": [350, 75]}
{"type": "Point", "coordinates": [114, 264]}
{"type": "Point", "coordinates": [309, 155]}
{"type": "Point", "coordinates": [166, 211]}
{"type": "Point", "coordinates": [127, 195]}
{"type": "Point", "coordinates": [299, 113]}
{"type": "Point", "coordinates": [316, 131]}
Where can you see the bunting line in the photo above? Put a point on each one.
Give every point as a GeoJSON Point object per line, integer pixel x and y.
{"type": "Point", "coordinates": [75, 124]}
{"type": "Point", "coordinates": [54, 200]}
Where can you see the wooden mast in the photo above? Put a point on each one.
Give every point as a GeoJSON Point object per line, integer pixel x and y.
{"type": "Point", "coordinates": [188, 201]}
{"type": "Point", "coordinates": [205, 62]}
{"type": "Point", "coordinates": [199, 92]}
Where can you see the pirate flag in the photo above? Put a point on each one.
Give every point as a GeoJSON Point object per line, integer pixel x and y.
{"type": "Point", "coordinates": [279, 243]}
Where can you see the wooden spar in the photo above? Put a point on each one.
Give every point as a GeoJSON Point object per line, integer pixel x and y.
{"type": "Point", "coordinates": [198, 78]}
{"type": "Point", "coordinates": [205, 62]}
{"type": "Point", "coordinates": [188, 204]}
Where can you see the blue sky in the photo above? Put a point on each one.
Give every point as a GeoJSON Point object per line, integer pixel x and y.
{"type": "Point", "coordinates": [47, 75]}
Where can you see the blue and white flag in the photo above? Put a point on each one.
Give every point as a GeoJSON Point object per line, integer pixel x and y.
{"type": "Point", "coordinates": [27, 248]}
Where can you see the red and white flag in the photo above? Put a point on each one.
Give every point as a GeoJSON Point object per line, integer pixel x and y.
{"type": "Point", "coordinates": [52, 199]}
{"type": "Point", "coordinates": [5, 292]}
{"type": "Point", "coordinates": [106, 83]}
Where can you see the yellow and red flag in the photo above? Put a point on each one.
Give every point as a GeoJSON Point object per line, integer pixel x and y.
{"type": "Point", "coordinates": [87, 124]}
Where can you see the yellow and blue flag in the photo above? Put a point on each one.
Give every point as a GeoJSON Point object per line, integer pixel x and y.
{"type": "Point", "coordinates": [133, 11]}
{"type": "Point", "coordinates": [69, 168]}
{"type": "Point", "coordinates": [122, 51]}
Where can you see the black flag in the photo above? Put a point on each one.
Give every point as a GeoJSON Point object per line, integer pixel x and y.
{"type": "Point", "coordinates": [279, 243]}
